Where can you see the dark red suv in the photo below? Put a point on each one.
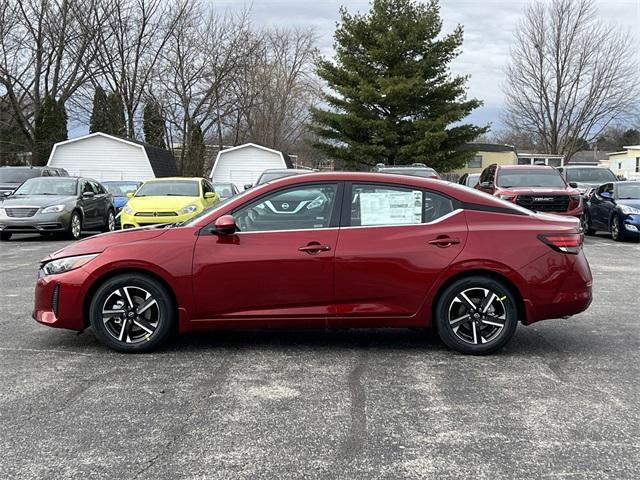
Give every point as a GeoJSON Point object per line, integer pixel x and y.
{"type": "Point", "coordinates": [536, 187]}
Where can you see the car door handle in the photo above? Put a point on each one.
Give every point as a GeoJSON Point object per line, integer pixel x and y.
{"type": "Point", "coordinates": [314, 248]}
{"type": "Point", "coordinates": [444, 241]}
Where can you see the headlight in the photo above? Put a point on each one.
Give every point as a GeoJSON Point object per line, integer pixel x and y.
{"type": "Point", "coordinates": [128, 210]}
{"type": "Point", "coordinates": [188, 209]}
{"type": "Point", "coordinates": [53, 209]}
{"type": "Point", "coordinates": [627, 210]}
{"type": "Point", "coordinates": [66, 264]}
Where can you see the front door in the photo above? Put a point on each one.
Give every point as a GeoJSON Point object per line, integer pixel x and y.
{"type": "Point", "coordinates": [90, 204]}
{"type": "Point", "coordinates": [396, 243]}
{"type": "Point", "coordinates": [278, 267]}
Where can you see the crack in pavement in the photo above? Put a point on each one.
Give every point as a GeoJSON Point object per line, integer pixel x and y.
{"type": "Point", "coordinates": [357, 436]}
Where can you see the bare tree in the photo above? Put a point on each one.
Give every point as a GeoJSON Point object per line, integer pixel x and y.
{"type": "Point", "coordinates": [277, 89]}
{"type": "Point", "coordinates": [569, 76]}
{"type": "Point", "coordinates": [132, 41]}
{"type": "Point", "coordinates": [47, 48]}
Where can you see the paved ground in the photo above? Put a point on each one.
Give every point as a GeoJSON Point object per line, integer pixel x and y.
{"type": "Point", "coordinates": [563, 401]}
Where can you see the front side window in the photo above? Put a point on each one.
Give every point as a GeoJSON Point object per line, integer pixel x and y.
{"type": "Point", "coordinates": [300, 208]}
{"type": "Point", "coordinates": [386, 205]}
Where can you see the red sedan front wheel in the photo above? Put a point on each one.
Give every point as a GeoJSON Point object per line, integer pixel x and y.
{"type": "Point", "coordinates": [132, 313]}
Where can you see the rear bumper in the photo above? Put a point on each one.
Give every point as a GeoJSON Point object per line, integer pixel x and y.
{"type": "Point", "coordinates": [560, 285]}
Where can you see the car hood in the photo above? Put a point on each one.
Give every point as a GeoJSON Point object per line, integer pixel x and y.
{"type": "Point", "coordinates": [99, 243]}
{"type": "Point", "coordinates": [152, 204]}
{"type": "Point", "coordinates": [537, 190]}
{"type": "Point", "coordinates": [10, 186]}
{"type": "Point", "coordinates": [630, 202]}
{"type": "Point", "coordinates": [36, 200]}
{"type": "Point", "coordinates": [119, 202]}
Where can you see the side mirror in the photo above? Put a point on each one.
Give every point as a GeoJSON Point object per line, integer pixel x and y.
{"type": "Point", "coordinates": [209, 195]}
{"type": "Point", "coordinates": [130, 194]}
{"type": "Point", "coordinates": [573, 184]}
{"type": "Point", "coordinates": [88, 194]}
{"type": "Point", "coordinates": [248, 186]}
{"type": "Point", "coordinates": [225, 225]}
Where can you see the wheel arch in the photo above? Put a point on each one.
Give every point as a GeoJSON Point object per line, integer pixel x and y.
{"type": "Point", "coordinates": [120, 271]}
{"type": "Point", "coordinates": [508, 283]}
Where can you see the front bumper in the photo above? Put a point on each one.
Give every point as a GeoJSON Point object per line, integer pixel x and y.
{"type": "Point", "coordinates": [39, 223]}
{"type": "Point", "coordinates": [133, 221]}
{"type": "Point", "coordinates": [59, 300]}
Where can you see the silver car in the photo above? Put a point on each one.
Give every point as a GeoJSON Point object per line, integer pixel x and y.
{"type": "Point", "coordinates": [64, 205]}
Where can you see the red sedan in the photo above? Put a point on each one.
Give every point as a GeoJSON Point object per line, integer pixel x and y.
{"type": "Point", "coordinates": [325, 250]}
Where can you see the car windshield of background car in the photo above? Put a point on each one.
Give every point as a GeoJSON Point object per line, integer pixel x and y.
{"type": "Point", "coordinates": [595, 175]}
{"type": "Point", "coordinates": [170, 188]}
{"type": "Point", "coordinates": [48, 186]}
{"type": "Point", "coordinates": [530, 178]}
{"type": "Point", "coordinates": [628, 191]}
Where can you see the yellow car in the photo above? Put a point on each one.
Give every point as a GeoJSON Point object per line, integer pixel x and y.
{"type": "Point", "coordinates": [167, 200]}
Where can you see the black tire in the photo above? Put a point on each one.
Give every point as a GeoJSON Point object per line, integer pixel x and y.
{"type": "Point", "coordinates": [5, 236]}
{"type": "Point", "coordinates": [616, 229]}
{"type": "Point", "coordinates": [110, 222]}
{"type": "Point", "coordinates": [586, 224]}
{"type": "Point", "coordinates": [453, 304]}
{"type": "Point", "coordinates": [123, 331]}
{"type": "Point", "coordinates": [74, 232]}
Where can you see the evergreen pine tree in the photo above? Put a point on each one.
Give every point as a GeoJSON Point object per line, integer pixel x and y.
{"type": "Point", "coordinates": [100, 116]}
{"type": "Point", "coordinates": [194, 158]}
{"type": "Point", "coordinates": [116, 114]}
{"type": "Point", "coordinates": [153, 124]}
{"type": "Point", "coordinates": [395, 101]}
{"type": "Point", "coordinates": [50, 127]}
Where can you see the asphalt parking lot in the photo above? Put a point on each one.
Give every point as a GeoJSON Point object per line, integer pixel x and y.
{"type": "Point", "coordinates": [562, 401]}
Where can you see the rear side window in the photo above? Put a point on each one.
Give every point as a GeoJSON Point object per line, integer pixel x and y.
{"type": "Point", "coordinates": [373, 205]}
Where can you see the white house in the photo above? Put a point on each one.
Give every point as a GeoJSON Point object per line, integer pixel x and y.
{"type": "Point", "coordinates": [243, 164]}
{"type": "Point", "coordinates": [626, 163]}
{"type": "Point", "coordinates": [105, 157]}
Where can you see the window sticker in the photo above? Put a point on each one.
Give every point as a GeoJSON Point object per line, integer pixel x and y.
{"type": "Point", "coordinates": [390, 207]}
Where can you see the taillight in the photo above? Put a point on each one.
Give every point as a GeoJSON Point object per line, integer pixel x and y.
{"type": "Point", "coordinates": [563, 242]}
{"type": "Point", "coordinates": [574, 201]}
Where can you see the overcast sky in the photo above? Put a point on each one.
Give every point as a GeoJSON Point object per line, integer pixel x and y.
{"type": "Point", "coordinates": [488, 31]}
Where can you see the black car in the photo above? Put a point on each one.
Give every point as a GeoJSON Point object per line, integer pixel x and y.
{"type": "Point", "coordinates": [12, 177]}
{"type": "Point", "coordinates": [64, 205]}
{"type": "Point", "coordinates": [585, 177]}
{"type": "Point", "coordinates": [413, 170]}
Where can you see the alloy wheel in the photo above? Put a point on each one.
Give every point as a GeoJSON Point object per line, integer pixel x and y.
{"type": "Point", "coordinates": [111, 222]}
{"type": "Point", "coordinates": [477, 315]}
{"type": "Point", "coordinates": [76, 226]}
{"type": "Point", "coordinates": [131, 314]}
{"type": "Point", "coordinates": [615, 228]}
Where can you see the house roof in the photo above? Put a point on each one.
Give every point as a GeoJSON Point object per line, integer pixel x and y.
{"type": "Point", "coordinates": [161, 160]}
{"type": "Point", "coordinates": [488, 147]}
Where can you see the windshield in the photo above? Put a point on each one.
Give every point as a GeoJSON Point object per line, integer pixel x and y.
{"type": "Point", "coordinates": [590, 175]}
{"type": "Point", "coordinates": [17, 175]}
{"type": "Point", "coordinates": [120, 189]}
{"type": "Point", "coordinates": [171, 188]}
{"type": "Point", "coordinates": [628, 190]}
{"type": "Point", "coordinates": [48, 186]}
{"type": "Point", "coordinates": [530, 178]}
{"type": "Point", "coordinates": [211, 209]}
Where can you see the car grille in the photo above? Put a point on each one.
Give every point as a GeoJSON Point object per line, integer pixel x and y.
{"type": "Point", "coordinates": [544, 203]}
{"type": "Point", "coordinates": [156, 214]}
{"type": "Point", "coordinates": [21, 212]}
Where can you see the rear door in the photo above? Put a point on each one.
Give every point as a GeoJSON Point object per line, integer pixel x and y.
{"type": "Point", "coordinates": [279, 266]}
{"type": "Point", "coordinates": [395, 241]}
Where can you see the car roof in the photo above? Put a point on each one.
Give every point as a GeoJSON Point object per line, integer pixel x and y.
{"type": "Point", "coordinates": [171, 179]}
{"type": "Point", "coordinates": [526, 167]}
